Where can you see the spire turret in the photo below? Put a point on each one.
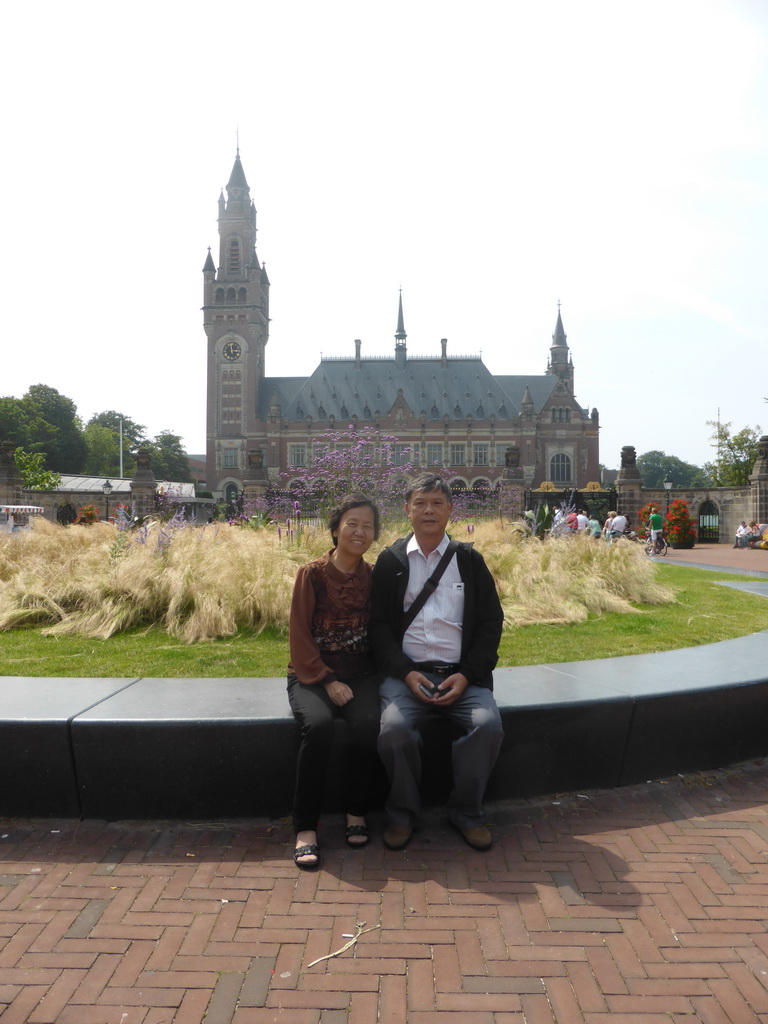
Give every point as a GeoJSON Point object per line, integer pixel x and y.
{"type": "Point", "coordinates": [400, 336]}
{"type": "Point", "coordinates": [559, 338]}
{"type": "Point", "coordinates": [237, 177]}
{"type": "Point", "coordinates": [560, 363]}
{"type": "Point", "coordinates": [237, 227]}
{"type": "Point", "coordinates": [527, 404]}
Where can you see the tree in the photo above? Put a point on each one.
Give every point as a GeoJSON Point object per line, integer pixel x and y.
{"type": "Point", "coordinates": [14, 420]}
{"type": "Point", "coordinates": [134, 434]}
{"type": "Point", "coordinates": [736, 454]}
{"type": "Point", "coordinates": [102, 435]}
{"type": "Point", "coordinates": [656, 466]}
{"type": "Point", "coordinates": [55, 429]}
{"type": "Point", "coordinates": [103, 458]}
{"type": "Point", "coordinates": [169, 460]}
{"type": "Point", "coordinates": [34, 475]}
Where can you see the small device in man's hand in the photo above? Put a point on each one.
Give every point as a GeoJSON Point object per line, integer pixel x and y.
{"type": "Point", "coordinates": [430, 689]}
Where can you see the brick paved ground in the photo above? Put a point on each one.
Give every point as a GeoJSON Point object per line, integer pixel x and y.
{"type": "Point", "coordinates": [721, 557]}
{"type": "Point", "coordinates": [645, 904]}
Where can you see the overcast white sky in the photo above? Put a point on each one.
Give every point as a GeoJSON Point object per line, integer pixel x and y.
{"type": "Point", "coordinates": [489, 158]}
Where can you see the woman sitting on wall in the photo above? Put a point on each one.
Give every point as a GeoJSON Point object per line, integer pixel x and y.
{"type": "Point", "coordinates": [758, 535]}
{"type": "Point", "coordinates": [331, 675]}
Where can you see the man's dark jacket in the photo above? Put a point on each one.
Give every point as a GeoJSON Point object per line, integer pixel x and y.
{"type": "Point", "coordinates": [481, 626]}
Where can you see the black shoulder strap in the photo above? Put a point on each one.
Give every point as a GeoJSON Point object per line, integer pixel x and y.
{"type": "Point", "coordinates": [430, 586]}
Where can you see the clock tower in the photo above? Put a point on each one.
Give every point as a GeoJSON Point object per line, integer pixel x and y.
{"type": "Point", "coordinates": [236, 323]}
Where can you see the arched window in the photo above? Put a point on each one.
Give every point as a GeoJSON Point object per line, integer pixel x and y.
{"type": "Point", "coordinates": [219, 296]}
{"type": "Point", "coordinates": [231, 295]}
{"type": "Point", "coordinates": [234, 260]}
{"type": "Point", "coordinates": [560, 469]}
{"type": "Point", "coordinates": [241, 295]}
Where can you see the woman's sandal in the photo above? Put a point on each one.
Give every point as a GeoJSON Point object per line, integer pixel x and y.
{"type": "Point", "coordinates": [307, 851]}
{"type": "Point", "coordinates": [356, 830]}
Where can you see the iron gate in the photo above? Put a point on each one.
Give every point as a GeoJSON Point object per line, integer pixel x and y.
{"type": "Point", "coordinates": [709, 523]}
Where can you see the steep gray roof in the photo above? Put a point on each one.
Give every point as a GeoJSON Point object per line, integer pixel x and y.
{"type": "Point", "coordinates": [464, 386]}
{"type": "Point", "coordinates": [539, 386]}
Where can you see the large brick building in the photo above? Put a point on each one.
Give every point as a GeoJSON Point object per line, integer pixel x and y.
{"type": "Point", "coordinates": [443, 409]}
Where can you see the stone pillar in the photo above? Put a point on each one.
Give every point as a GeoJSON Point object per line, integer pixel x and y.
{"type": "Point", "coordinates": [256, 480]}
{"type": "Point", "coordinates": [512, 483]}
{"type": "Point", "coordinates": [629, 485]}
{"type": "Point", "coordinates": [758, 480]}
{"type": "Point", "coordinates": [143, 485]}
{"type": "Point", "coordinates": [10, 477]}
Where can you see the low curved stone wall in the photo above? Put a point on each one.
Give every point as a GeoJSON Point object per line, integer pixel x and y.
{"type": "Point", "coordinates": [224, 748]}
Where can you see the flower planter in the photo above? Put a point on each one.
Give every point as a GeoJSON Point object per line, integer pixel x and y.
{"type": "Point", "coordinates": [678, 525]}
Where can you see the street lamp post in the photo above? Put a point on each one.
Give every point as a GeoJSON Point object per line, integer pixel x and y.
{"type": "Point", "coordinates": [107, 488]}
{"type": "Point", "coordinates": [667, 485]}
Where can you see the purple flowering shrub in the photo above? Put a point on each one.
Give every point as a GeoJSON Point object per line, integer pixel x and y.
{"type": "Point", "coordinates": [377, 465]}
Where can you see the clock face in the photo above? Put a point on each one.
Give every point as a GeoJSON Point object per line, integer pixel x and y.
{"type": "Point", "coordinates": [231, 351]}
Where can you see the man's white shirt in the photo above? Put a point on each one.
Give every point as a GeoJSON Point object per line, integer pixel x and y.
{"type": "Point", "coordinates": [435, 633]}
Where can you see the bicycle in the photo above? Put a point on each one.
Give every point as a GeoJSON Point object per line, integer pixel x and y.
{"type": "Point", "coordinates": [657, 547]}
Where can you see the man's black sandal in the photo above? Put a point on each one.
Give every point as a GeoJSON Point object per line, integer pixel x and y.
{"type": "Point", "coordinates": [307, 851]}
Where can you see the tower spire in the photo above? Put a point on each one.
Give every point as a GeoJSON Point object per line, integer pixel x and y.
{"type": "Point", "coordinates": [559, 337]}
{"type": "Point", "coordinates": [400, 336]}
{"type": "Point", "coordinates": [560, 363]}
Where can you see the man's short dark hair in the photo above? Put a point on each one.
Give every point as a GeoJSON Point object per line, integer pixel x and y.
{"type": "Point", "coordinates": [429, 482]}
{"type": "Point", "coordinates": [353, 501]}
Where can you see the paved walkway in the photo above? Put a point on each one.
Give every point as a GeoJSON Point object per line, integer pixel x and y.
{"type": "Point", "coordinates": [645, 905]}
{"type": "Point", "coordinates": [723, 558]}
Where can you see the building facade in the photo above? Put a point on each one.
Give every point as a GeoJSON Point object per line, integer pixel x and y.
{"type": "Point", "coordinates": [447, 410]}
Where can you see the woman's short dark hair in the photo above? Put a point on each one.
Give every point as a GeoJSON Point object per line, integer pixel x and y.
{"type": "Point", "coordinates": [429, 482]}
{"type": "Point", "coordinates": [353, 501]}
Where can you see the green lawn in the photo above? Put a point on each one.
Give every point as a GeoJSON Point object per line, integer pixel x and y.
{"type": "Point", "coordinates": [702, 614]}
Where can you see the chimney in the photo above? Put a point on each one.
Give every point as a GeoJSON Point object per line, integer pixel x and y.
{"type": "Point", "coordinates": [357, 353]}
{"type": "Point", "coordinates": [444, 352]}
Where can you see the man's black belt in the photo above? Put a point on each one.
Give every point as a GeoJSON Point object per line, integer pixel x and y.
{"type": "Point", "coordinates": [437, 668]}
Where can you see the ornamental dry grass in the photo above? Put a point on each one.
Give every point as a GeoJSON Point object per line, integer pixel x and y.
{"type": "Point", "coordinates": [200, 583]}
{"type": "Point", "coordinates": [567, 579]}
{"type": "Point", "coordinates": [197, 583]}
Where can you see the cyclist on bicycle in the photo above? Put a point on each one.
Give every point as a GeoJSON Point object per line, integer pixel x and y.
{"type": "Point", "coordinates": [655, 525]}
